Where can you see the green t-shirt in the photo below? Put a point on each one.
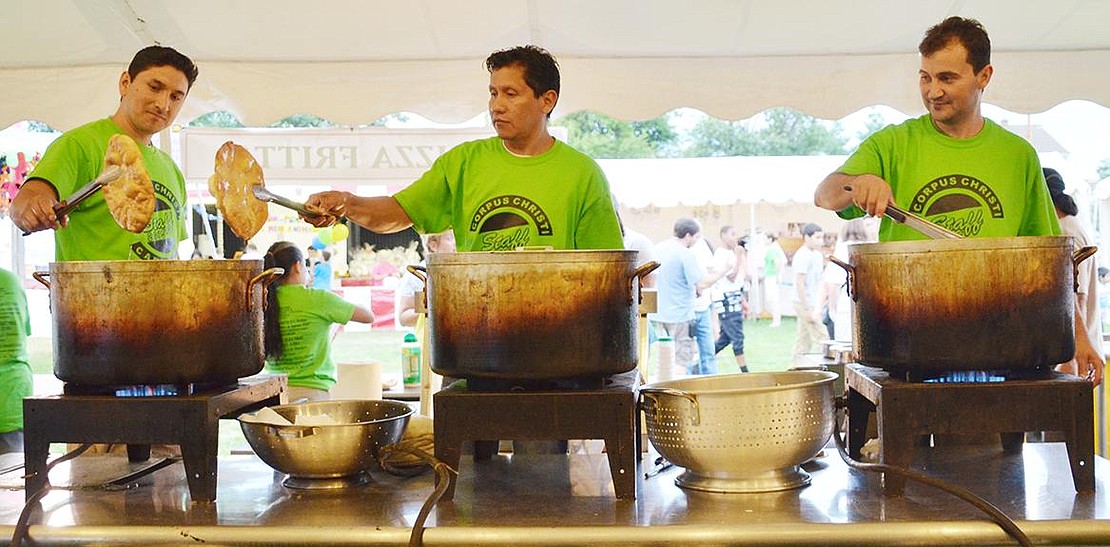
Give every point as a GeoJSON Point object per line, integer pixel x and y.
{"type": "Point", "coordinates": [15, 373]}
{"type": "Point", "coordinates": [305, 316]}
{"type": "Point", "coordinates": [496, 201]}
{"type": "Point", "coordinates": [76, 158]}
{"type": "Point", "coordinates": [771, 258]}
{"type": "Point", "coordinates": [990, 185]}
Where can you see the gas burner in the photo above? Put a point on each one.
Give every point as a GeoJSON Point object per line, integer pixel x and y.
{"type": "Point", "coordinates": [151, 390]}
{"type": "Point", "coordinates": [971, 376]}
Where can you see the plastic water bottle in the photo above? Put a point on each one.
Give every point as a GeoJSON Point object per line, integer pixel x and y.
{"type": "Point", "coordinates": [410, 360]}
{"type": "Point", "coordinates": [665, 367]}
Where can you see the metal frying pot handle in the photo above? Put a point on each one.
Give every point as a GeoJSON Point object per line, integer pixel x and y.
{"type": "Point", "coordinates": [41, 276]}
{"type": "Point", "coordinates": [640, 273]}
{"type": "Point", "coordinates": [653, 393]}
{"type": "Point", "coordinates": [1080, 254]}
{"type": "Point", "coordinates": [851, 275]}
{"type": "Point", "coordinates": [266, 277]}
{"type": "Point", "coordinates": [421, 273]}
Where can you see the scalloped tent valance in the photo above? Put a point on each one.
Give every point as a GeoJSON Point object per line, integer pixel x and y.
{"type": "Point", "coordinates": [353, 61]}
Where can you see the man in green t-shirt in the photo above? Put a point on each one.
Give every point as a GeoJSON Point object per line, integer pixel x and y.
{"type": "Point", "coordinates": [952, 165]}
{"type": "Point", "coordinates": [520, 188]}
{"type": "Point", "coordinates": [15, 373]}
{"type": "Point", "coordinates": [152, 91]}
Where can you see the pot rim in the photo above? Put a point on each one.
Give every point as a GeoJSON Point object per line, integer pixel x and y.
{"type": "Point", "coordinates": [971, 244]}
{"type": "Point", "coordinates": [532, 256]}
{"type": "Point", "coordinates": [125, 266]}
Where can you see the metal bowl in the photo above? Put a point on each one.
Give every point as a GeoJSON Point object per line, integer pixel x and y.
{"type": "Point", "coordinates": [741, 432]}
{"type": "Point", "coordinates": [346, 448]}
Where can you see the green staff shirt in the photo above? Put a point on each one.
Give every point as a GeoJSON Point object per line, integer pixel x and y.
{"type": "Point", "coordinates": [305, 316]}
{"type": "Point", "coordinates": [990, 185]}
{"type": "Point", "coordinates": [15, 373]}
{"type": "Point", "coordinates": [497, 201]}
{"type": "Point", "coordinates": [76, 158]}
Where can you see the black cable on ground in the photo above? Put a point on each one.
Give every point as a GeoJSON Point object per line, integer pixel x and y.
{"type": "Point", "coordinates": [22, 524]}
{"type": "Point", "coordinates": [983, 505]}
{"type": "Point", "coordinates": [444, 476]}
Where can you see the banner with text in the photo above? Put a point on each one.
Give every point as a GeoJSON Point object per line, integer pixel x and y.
{"type": "Point", "coordinates": [331, 156]}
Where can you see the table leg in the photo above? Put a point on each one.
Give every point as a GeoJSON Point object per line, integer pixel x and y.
{"type": "Point", "coordinates": [198, 450]}
{"type": "Point", "coordinates": [859, 410]}
{"type": "Point", "coordinates": [35, 453]}
{"type": "Point", "coordinates": [1080, 439]}
{"type": "Point", "coordinates": [896, 445]}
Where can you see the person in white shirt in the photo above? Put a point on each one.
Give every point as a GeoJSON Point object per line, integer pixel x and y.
{"type": "Point", "coordinates": [730, 294]}
{"type": "Point", "coordinates": [1086, 294]}
{"type": "Point", "coordinates": [807, 265]}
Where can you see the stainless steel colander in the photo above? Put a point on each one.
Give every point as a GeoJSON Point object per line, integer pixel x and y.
{"type": "Point", "coordinates": [741, 432]}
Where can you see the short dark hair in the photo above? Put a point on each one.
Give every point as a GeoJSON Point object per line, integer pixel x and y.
{"type": "Point", "coordinates": [810, 229]}
{"type": "Point", "coordinates": [725, 229]}
{"type": "Point", "coordinates": [966, 32]}
{"type": "Point", "coordinates": [154, 56]}
{"type": "Point", "coordinates": [541, 70]}
{"type": "Point", "coordinates": [686, 226]}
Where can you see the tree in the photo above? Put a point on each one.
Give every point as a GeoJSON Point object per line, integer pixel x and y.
{"type": "Point", "coordinates": [776, 132]}
{"type": "Point", "coordinates": [875, 122]}
{"type": "Point", "coordinates": [600, 136]}
{"type": "Point", "coordinates": [220, 118]}
{"type": "Point", "coordinates": [1104, 168]}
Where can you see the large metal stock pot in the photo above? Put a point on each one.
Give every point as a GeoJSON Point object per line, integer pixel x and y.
{"type": "Point", "coordinates": [534, 314]}
{"type": "Point", "coordinates": [156, 321]}
{"type": "Point", "coordinates": [964, 304]}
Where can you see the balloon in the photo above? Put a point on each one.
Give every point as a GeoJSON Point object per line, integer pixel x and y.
{"type": "Point", "coordinates": [324, 236]}
{"type": "Point", "coordinates": [339, 232]}
{"type": "Point", "coordinates": [317, 244]}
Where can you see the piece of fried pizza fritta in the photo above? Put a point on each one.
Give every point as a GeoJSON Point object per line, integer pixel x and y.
{"type": "Point", "coordinates": [130, 197]}
{"type": "Point", "coordinates": [235, 173]}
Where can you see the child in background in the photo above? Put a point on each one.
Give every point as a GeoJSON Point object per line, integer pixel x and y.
{"type": "Point", "coordinates": [297, 326]}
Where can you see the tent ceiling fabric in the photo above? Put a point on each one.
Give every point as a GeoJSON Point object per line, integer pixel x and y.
{"type": "Point", "coordinates": [353, 61]}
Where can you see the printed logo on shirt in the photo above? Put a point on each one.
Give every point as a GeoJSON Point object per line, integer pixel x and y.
{"type": "Point", "coordinates": [504, 223]}
{"type": "Point", "coordinates": [960, 203]}
{"type": "Point", "coordinates": [159, 239]}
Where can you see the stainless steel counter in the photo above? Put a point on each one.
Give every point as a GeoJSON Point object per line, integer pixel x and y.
{"type": "Point", "coordinates": [548, 500]}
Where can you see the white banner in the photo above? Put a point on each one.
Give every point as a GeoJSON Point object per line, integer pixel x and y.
{"type": "Point", "coordinates": [328, 156]}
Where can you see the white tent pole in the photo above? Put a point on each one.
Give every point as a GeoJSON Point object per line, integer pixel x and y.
{"type": "Point", "coordinates": [756, 300]}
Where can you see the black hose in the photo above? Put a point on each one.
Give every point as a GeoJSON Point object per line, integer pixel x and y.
{"type": "Point", "coordinates": [983, 505]}
{"type": "Point", "coordinates": [444, 475]}
{"type": "Point", "coordinates": [22, 524]}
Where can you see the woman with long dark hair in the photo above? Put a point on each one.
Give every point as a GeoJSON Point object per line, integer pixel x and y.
{"type": "Point", "coordinates": [297, 326]}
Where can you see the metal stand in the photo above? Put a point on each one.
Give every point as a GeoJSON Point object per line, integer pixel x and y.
{"type": "Point", "coordinates": [907, 410]}
{"type": "Point", "coordinates": [191, 421]}
{"type": "Point", "coordinates": [486, 417]}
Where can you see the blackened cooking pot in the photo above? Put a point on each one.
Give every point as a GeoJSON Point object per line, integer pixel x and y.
{"type": "Point", "coordinates": [964, 304]}
{"type": "Point", "coordinates": [534, 314]}
{"type": "Point", "coordinates": [123, 322]}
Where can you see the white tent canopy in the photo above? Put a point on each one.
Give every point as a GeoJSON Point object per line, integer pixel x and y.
{"type": "Point", "coordinates": [353, 61]}
{"type": "Point", "coordinates": [717, 181]}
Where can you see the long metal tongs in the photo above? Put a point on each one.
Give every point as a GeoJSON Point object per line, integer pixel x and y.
{"type": "Point", "coordinates": [902, 216]}
{"type": "Point", "coordinates": [935, 231]}
{"type": "Point", "coordinates": [67, 205]}
{"type": "Point", "coordinates": [266, 195]}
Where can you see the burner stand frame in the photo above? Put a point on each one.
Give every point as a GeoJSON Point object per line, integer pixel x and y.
{"type": "Point", "coordinates": [905, 411]}
{"type": "Point", "coordinates": [190, 421]}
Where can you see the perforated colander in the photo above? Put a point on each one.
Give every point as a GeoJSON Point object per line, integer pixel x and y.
{"type": "Point", "coordinates": [741, 432]}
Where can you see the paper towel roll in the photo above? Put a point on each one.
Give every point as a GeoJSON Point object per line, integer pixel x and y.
{"type": "Point", "coordinates": [358, 380]}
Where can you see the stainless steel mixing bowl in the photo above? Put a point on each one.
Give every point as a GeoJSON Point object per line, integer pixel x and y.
{"type": "Point", "coordinates": [741, 432]}
{"type": "Point", "coordinates": [345, 448]}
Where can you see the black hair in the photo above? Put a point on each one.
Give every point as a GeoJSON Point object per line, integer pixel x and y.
{"type": "Point", "coordinates": [282, 254]}
{"type": "Point", "coordinates": [1062, 201]}
{"type": "Point", "coordinates": [541, 70]}
{"type": "Point", "coordinates": [810, 229]}
{"type": "Point", "coordinates": [154, 56]}
{"type": "Point", "coordinates": [686, 226]}
{"type": "Point", "coordinates": [966, 32]}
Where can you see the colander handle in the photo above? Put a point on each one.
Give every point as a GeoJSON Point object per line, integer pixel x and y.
{"type": "Point", "coordinates": [653, 393]}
